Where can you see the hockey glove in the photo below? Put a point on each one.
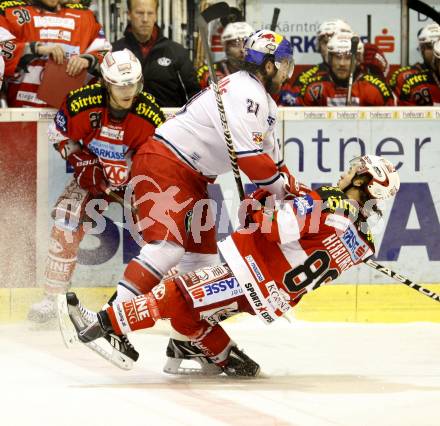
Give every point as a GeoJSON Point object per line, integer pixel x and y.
{"type": "Point", "coordinates": [88, 171]}
{"type": "Point", "coordinates": [245, 217]}
{"type": "Point", "coordinates": [260, 195]}
{"type": "Point", "coordinates": [375, 61]}
{"type": "Point", "coordinates": [292, 187]}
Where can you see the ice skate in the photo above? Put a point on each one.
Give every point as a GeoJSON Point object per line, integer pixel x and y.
{"type": "Point", "coordinates": [78, 323]}
{"type": "Point", "coordinates": [43, 311]}
{"type": "Point", "coordinates": [179, 351]}
{"type": "Point", "coordinates": [239, 364]}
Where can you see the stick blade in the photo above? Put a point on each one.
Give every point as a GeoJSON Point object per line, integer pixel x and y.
{"type": "Point", "coordinates": [216, 11]}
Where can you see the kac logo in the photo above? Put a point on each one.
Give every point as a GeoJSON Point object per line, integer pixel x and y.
{"type": "Point", "coordinates": [61, 121]}
{"type": "Point", "coordinates": [303, 205]}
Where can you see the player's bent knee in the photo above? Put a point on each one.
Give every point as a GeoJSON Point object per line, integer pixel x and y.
{"type": "Point", "coordinates": [161, 256]}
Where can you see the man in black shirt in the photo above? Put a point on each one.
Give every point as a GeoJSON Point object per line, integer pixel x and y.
{"type": "Point", "coordinates": [168, 72]}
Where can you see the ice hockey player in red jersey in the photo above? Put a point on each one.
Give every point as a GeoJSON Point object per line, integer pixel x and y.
{"type": "Point", "coordinates": [232, 39]}
{"type": "Point", "coordinates": [292, 89]}
{"type": "Point", "coordinates": [426, 38]}
{"type": "Point", "coordinates": [97, 131]}
{"type": "Point", "coordinates": [423, 88]}
{"type": "Point", "coordinates": [330, 89]}
{"type": "Point", "coordinates": [288, 250]}
{"type": "Point", "coordinates": [47, 29]}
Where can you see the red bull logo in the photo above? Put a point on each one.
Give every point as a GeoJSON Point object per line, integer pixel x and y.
{"type": "Point", "coordinates": [269, 36]}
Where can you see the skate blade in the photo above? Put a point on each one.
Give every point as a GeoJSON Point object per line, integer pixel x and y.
{"type": "Point", "coordinates": [173, 366]}
{"type": "Point", "coordinates": [118, 359]}
{"type": "Point", "coordinates": [68, 331]}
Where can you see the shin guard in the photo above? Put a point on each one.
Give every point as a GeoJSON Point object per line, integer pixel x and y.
{"type": "Point", "coordinates": [135, 314]}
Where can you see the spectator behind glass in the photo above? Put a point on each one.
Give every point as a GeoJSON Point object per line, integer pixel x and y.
{"type": "Point", "coordinates": [168, 72]}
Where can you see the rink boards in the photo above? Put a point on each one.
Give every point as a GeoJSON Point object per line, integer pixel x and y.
{"type": "Point", "coordinates": [369, 303]}
{"type": "Point", "coordinates": [318, 144]}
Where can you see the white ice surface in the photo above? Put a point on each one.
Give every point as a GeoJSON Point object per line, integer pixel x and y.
{"type": "Point", "coordinates": [314, 374]}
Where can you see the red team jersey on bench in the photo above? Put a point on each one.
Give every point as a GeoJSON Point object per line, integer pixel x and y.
{"type": "Point", "coordinates": [74, 27]}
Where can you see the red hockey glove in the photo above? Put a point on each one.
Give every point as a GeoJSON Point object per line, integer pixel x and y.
{"type": "Point", "coordinates": [88, 171]}
{"type": "Point", "coordinates": [293, 187]}
{"type": "Point", "coordinates": [375, 61]}
{"type": "Point", "coordinates": [259, 195]}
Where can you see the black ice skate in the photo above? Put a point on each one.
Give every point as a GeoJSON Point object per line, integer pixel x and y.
{"type": "Point", "coordinates": [178, 351]}
{"type": "Point", "coordinates": [94, 330]}
{"type": "Point", "coordinates": [239, 364]}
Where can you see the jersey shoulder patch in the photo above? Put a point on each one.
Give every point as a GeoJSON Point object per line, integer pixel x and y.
{"type": "Point", "coordinates": [77, 6]}
{"type": "Point", "coordinates": [201, 71]}
{"type": "Point", "coordinates": [396, 74]}
{"type": "Point", "coordinates": [313, 86]}
{"type": "Point", "coordinates": [4, 5]}
{"type": "Point", "coordinates": [306, 75]}
{"type": "Point", "coordinates": [148, 109]}
{"type": "Point", "coordinates": [335, 201]}
{"type": "Point", "coordinates": [325, 192]}
{"type": "Point", "coordinates": [414, 80]}
{"type": "Point", "coordinates": [379, 84]}
{"type": "Point", "coordinates": [86, 97]}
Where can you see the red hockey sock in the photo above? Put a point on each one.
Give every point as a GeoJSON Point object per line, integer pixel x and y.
{"type": "Point", "coordinates": [135, 314]}
{"type": "Point", "coordinates": [139, 277]}
{"type": "Point", "coordinates": [216, 345]}
{"type": "Point", "coordinates": [61, 259]}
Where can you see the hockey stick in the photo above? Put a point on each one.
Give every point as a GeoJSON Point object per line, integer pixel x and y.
{"type": "Point", "coordinates": [216, 11]}
{"type": "Point", "coordinates": [276, 13]}
{"type": "Point", "coordinates": [120, 200]}
{"type": "Point", "coordinates": [369, 28]}
{"type": "Point", "coordinates": [353, 51]}
{"type": "Point", "coordinates": [402, 279]}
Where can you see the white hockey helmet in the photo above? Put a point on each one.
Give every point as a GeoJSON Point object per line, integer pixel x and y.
{"type": "Point", "coordinates": [436, 50]}
{"type": "Point", "coordinates": [328, 28]}
{"type": "Point", "coordinates": [384, 180]}
{"type": "Point", "coordinates": [429, 34]}
{"type": "Point", "coordinates": [121, 68]}
{"type": "Point", "coordinates": [340, 43]}
{"type": "Point", "coordinates": [236, 31]}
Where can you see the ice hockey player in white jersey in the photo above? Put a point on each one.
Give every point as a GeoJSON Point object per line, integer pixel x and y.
{"type": "Point", "coordinates": [292, 249]}
{"type": "Point", "coordinates": [171, 173]}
